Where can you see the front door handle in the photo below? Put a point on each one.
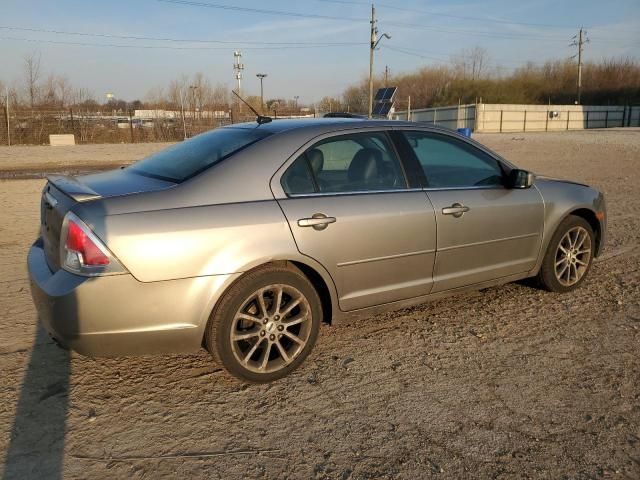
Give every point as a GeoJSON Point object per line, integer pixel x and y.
{"type": "Point", "coordinates": [319, 221]}
{"type": "Point", "coordinates": [457, 210]}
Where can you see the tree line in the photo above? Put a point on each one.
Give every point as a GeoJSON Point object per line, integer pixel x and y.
{"type": "Point", "coordinates": [467, 78]}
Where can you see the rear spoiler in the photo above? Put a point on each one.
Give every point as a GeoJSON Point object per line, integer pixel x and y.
{"type": "Point", "coordinates": [73, 188]}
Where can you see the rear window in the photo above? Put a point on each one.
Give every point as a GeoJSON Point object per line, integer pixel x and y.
{"type": "Point", "coordinates": [188, 158]}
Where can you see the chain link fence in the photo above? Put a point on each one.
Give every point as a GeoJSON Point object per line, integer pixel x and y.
{"type": "Point", "coordinates": [33, 127]}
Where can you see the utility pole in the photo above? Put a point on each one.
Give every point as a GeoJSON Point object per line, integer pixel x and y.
{"type": "Point", "coordinates": [372, 46]}
{"type": "Point", "coordinates": [579, 42]}
{"type": "Point", "coordinates": [296, 97]}
{"type": "Point", "coordinates": [386, 76]}
{"type": "Point", "coordinates": [261, 76]}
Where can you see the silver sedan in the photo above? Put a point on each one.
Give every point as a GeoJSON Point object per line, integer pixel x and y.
{"type": "Point", "coordinates": [246, 238]}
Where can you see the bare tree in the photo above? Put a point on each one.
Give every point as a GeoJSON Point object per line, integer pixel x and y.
{"type": "Point", "coordinates": [471, 63]}
{"type": "Point", "coordinates": [32, 76]}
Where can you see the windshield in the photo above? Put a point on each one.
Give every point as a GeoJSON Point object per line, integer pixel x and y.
{"type": "Point", "coordinates": [188, 158]}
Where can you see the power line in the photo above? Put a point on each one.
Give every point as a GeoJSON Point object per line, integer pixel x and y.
{"type": "Point", "coordinates": [176, 40]}
{"type": "Point", "coordinates": [419, 54]}
{"type": "Point", "coordinates": [159, 47]}
{"type": "Point", "coordinates": [407, 52]}
{"type": "Point", "coordinates": [447, 15]}
{"type": "Point", "coordinates": [259, 10]}
{"type": "Point", "coordinates": [415, 26]}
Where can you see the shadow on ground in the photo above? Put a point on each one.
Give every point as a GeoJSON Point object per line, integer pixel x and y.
{"type": "Point", "coordinates": [36, 446]}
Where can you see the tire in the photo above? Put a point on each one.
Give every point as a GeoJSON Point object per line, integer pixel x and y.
{"type": "Point", "coordinates": [569, 256]}
{"type": "Point", "coordinates": [263, 348]}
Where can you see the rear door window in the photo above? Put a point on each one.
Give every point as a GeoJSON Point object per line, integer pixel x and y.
{"type": "Point", "coordinates": [346, 163]}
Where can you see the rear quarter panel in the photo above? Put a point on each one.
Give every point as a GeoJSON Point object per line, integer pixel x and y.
{"type": "Point", "coordinates": [197, 241]}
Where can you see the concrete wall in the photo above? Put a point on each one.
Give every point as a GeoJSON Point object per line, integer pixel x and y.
{"type": "Point", "coordinates": [541, 118]}
{"type": "Point", "coordinates": [527, 118]}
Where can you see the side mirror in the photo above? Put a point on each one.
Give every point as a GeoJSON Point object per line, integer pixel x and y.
{"type": "Point", "coordinates": [520, 178]}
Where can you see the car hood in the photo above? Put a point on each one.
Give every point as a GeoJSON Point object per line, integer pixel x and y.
{"type": "Point", "coordinates": [561, 180]}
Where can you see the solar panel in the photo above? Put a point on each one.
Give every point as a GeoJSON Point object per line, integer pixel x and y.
{"type": "Point", "coordinates": [389, 94]}
{"type": "Point", "coordinates": [382, 109]}
{"type": "Point", "coordinates": [385, 94]}
{"type": "Point", "coordinates": [380, 94]}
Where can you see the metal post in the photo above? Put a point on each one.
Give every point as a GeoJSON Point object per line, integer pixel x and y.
{"type": "Point", "coordinates": [409, 109]}
{"type": "Point", "coordinates": [524, 125]}
{"type": "Point", "coordinates": [184, 125]}
{"type": "Point", "coordinates": [546, 122]}
{"type": "Point", "coordinates": [261, 76]}
{"type": "Point", "coordinates": [587, 124]}
{"type": "Point", "coordinates": [8, 123]}
{"type": "Point", "coordinates": [435, 114]}
{"type": "Point", "coordinates": [372, 46]}
{"type": "Point", "coordinates": [568, 114]}
{"type": "Point", "coordinates": [131, 125]}
{"type": "Point", "coordinates": [501, 111]}
{"type": "Point", "coordinates": [606, 119]}
{"type": "Point", "coordinates": [624, 116]}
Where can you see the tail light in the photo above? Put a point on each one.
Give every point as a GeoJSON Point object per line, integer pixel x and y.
{"type": "Point", "coordinates": [82, 252]}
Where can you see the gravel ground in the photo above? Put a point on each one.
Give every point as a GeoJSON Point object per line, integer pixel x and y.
{"type": "Point", "coordinates": [508, 382]}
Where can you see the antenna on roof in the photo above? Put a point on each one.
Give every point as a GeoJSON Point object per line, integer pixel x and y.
{"type": "Point", "coordinates": [259, 118]}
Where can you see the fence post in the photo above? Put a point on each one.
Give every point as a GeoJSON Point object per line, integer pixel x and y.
{"type": "Point", "coordinates": [546, 122]}
{"type": "Point", "coordinates": [73, 131]}
{"type": "Point", "coordinates": [435, 114]}
{"type": "Point", "coordinates": [8, 121]}
{"type": "Point", "coordinates": [606, 119]}
{"type": "Point", "coordinates": [587, 123]}
{"type": "Point", "coordinates": [568, 115]}
{"type": "Point", "coordinates": [501, 111]}
{"type": "Point", "coordinates": [524, 124]}
{"type": "Point", "coordinates": [131, 125]}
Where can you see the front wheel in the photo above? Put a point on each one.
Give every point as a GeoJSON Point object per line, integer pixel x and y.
{"type": "Point", "coordinates": [569, 256]}
{"type": "Point", "coordinates": [265, 325]}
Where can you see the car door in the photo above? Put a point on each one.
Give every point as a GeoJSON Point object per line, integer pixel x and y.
{"type": "Point", "coordinates": [485, 231]}
{"type": "Point", "coordinates": [349, 207]}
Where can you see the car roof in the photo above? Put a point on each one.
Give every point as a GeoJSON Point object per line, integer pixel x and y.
{"type": "Point", "coordinates": [329, 124]}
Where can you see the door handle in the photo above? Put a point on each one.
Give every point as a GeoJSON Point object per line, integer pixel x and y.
{"type": "Point", "coordinates": [319, 221]}
{"type": "Point", "coordinates": [457, 210]}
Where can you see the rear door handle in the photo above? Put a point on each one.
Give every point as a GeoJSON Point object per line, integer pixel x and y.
{"type": "Point", "coordinates": [457, 210]}
{"type": "Point", "coordinates": [319, 221]}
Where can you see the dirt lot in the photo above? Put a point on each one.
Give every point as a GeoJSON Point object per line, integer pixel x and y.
{"type": "Point", "coordinates": [509, 382]}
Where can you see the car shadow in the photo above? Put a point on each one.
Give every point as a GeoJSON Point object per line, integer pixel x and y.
{"type": "Point", "coordinates": [36, 445]}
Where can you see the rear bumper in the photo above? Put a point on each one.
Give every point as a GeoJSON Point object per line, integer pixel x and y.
{"type": "Point", "coordinates": [118, 315]}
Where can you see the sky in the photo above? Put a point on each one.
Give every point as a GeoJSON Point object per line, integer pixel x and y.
{"type": "Point", "coordinates": [308, 48]}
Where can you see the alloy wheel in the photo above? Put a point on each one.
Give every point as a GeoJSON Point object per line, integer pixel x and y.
{"type": "Point", "coordinates": [573, 256]}
{"type": "Point", "coordinates": [271, 328]}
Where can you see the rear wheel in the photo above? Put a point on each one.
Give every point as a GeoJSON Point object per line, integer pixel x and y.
{"type": "Point", "coordinates": [265, 325]}
{"type": "Point", "coordinates": [569, 256]}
